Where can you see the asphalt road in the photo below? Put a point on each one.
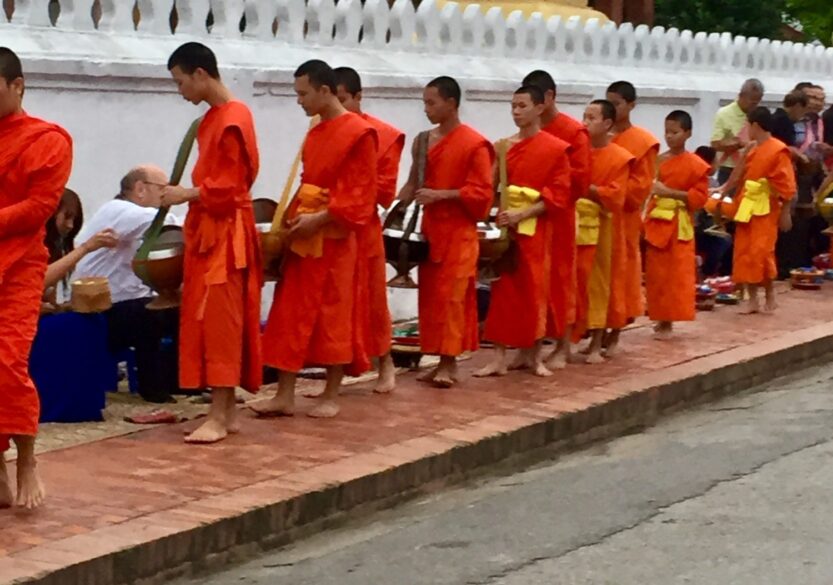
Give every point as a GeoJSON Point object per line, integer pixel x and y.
{"type": "Point", "coordinates": [737, 492]}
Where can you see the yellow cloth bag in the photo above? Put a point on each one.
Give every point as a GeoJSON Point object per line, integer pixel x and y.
{"type": "Point", "coordinates": [588, 221]}
{"type": "Point", "coordinates": [665, 210]}
{"type": "Point", "coordinates": [755, 202]}
{"type": "Point", "coordinates": [520, 198]}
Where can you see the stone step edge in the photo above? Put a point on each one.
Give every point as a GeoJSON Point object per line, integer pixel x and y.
{"type": "Point", "coordinates": [210, 533]}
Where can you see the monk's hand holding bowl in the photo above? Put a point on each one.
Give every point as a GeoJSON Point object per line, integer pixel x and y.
{"type": "Point", "coordinates": [306, 224]}
{"type": "Point", "coordinates": [508, 219]}
{"type": "Point", "coordinates": [785, 220]}
{"type": "Point", "coordinates": [428, 196]}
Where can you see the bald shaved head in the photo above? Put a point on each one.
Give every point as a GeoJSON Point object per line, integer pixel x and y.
{"type": "Point", "coordinates": [11, 83]}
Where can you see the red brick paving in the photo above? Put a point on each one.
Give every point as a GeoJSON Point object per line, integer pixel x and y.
{"type": "Point", "coordinates": [125, 490]}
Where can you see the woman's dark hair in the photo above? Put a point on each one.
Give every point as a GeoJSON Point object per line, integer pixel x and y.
{"type": "Point", "coordinates": [59, 246]}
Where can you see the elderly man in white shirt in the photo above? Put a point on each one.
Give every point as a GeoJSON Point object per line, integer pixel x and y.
{"type": "Point", "coordinates": [130, 323]}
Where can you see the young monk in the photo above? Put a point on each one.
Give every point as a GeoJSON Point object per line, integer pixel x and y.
{"type": "Point", "coordinates": [457, 194]}
{"type": "Point", "coordinates": [316, 318]}
{"type": "Point", "coordinates": [219, 345]}
{"type": "Point", "coordinates": [600, 266]}
{"type": "Point", "coordinates": [563, 219]}
{"type": "Point", "coordinates": [35, 162]}
{"type": "Point", "coordinates": [369, 237]}
{"type": "Point", "coordinates": [538, 181]}
{"type": "Point", "coordinates": [760, 209]}
{"type": "Point", "coordinates": [681, 189]}
{"type": "Point", "coordinates": [645, 148]}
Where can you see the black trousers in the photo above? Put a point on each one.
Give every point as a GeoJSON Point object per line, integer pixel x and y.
{"type": "Point", "coordinates": [153, 335]}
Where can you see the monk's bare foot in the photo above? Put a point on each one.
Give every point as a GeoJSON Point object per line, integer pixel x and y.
{"type": "Point", "coordinates": [428, 377]}
{"type": "Point", "coordinates": [387, 376]}
{"type": "Point", "coordinates": [313, 392]}
{"type": "Point", "coordinates": [444, 380]}
{"type": "Point", "coordinates": [327, 409]}
{"type": "Point", "coordinates": [769, 306]}
{"type": "Point", "coordinates": [6, 496]}
{"type": "Point", "coordinates": [594, 358]}
{"type": "Point", "coordinates": [541, 370]}
{"type": "Point", "coordinates": [521, 361]}
{"type": "Point", "coordinates": [275, 406]}
{"type": "Point", "coordinates": [557, 361]}
{"type": "Point", "coordinates": [211, 431]}
{"type": "Point", "coordinates": [30, 492]}
{"type": "Point", "coordinates": [496, 368]}
{"type": "Point", "coordinates": [663, 330]}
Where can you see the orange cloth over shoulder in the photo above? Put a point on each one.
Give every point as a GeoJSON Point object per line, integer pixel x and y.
{"type": "Point", "coordinates": [753, 261]}
{"type": "Point", "coordinates": [461, 160]}
{"type": "Point", "coordinates": [601, 266]}
{"type": "Point", "coordinates": [670, 265]}
{"type": "Point", "coordinates": [219, 346]}
{"type": "Point", "coordinates": [563, 224]}
{"type": "Point", "coordinates": [316, 316]}
{"type": "Point", "coordinates": [519, 301]}
{"type": "Point", "coordinates": [644, 146]}
{"type": "Point", "coordinates": [35, 162]}
{"type": "Point", "coordinates": [378, 328]}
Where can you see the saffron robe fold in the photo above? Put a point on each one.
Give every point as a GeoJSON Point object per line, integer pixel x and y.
{"type": "Point", "coordinates": [460, 160]}
{"type": "Point", "coordinates": [754, 261]}
{"type": "Point", "coordinates": [35, 162]}
{"type": "Point", "coordinates": [520, 300]}
{"type": "Point", "coordinates": [316, 317]}
{"type": "Point", "coordinates": [563, 224]}
{"type": "Point", "coordinates": [645, 148]}
{"type": "Point", "coordinates": [600, 268]}
{"type": "Point", "coordinates": [379, 329]}
{"type": "Point", "coordinates": [670, 265]}
{"type": "Point", "coordinates": [219, 344]}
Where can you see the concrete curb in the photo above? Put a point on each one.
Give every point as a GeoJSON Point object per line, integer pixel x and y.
{"type": "Point", "coordinates": [233, 526]}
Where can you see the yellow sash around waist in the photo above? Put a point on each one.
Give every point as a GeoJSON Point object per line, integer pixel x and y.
{"type": "Point", "coordinates": [589, 220]}
{"type": "Point", "coordinates": [666, 208]}
{"type": "Point", "coordinates": [755, 201]}
{"type": "Point", "coordinates": [520, 198]}
{"type": "Point", "coordinates": [312, 199]}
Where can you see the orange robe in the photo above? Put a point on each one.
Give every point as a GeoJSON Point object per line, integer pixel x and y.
{"type": "Point", "coordinates": [35, 162]}
{"type": "Point", "coordinates": [447, 298]}
{"type": "Point", "coordinates": [753, 261]}
{"type": "Point", "coordinates": [600, 267]}
{"type": "Point", "coordinates": [563, 225]}
{"type": "Point", "coordinates": [370, 244]}
{"type": "Point", "coordinates": [219, 343]}
{"type": "Point", "coordinates": [316, 318]}
{"type": "Point", "coordinates": [670, 270]}
{"type": "Point", "coordinates": [520, 299]}
{"type": "Point", "coordinates": [644, 147]}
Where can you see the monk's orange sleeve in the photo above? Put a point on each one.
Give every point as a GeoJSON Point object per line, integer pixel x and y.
{"type": "Point", "coordinates": [560, 184]}
{"type": "Point", "coordinates": [477, 194]}
{"type": "Point", "coordinates": [49, 162]}
{"type": "Point", "coordinates": [388, 170]}
{"type": "Point", "coordinates": [580, 165]}
{"type": "Point", "coordinates": [641, 180]}
{"type": "Point", "coordinates": [783, 177]}
{"type": "Point", "coordinates": [698, 194]}
{"type": "Point", "coordinates": [353, 199]}
{"type": "Point", "coordinates": [228, 176]}
{"type": "Point", "coordinates": [612, 194]}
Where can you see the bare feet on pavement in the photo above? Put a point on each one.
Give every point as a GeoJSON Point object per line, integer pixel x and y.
{"type": "Point", "coordinates": [211, 431]}
{"type": "Point", "coordinates": [326, 409]}
{"type": "Point", "coordinates": [30, 492]}
{"type": "Point", "coordinates": [387, 376]}
{"type": "Point", "coordinates": [6, 496]}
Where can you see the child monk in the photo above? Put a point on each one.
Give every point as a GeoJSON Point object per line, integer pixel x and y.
{"type": "Point", "coordinates": [645, 148]}
{"type": "Point", "coordinates": [315, 318]}
{"type": "Point", "coordinates": [563, 219]}
{"type": "Point", "coordinates": [537, 172]}
{"type": "Point", "coordinates": [600, 266]}
{"type": "Point", "coordinates": [35, 162]}
{"type": "Point", "coordinates": [457, 193]}
{"type": "Point", "coordinates": [219, 345]}
{"type": "Point", "coordinates": [681, 189]}
{"type": "Point", "coordinates": [760, 208]}
{"type": "Point", "coordinates": [378, 330]}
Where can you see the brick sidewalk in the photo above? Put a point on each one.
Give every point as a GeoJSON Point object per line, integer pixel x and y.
{"type": "Point", "coordinates": [145, 505]}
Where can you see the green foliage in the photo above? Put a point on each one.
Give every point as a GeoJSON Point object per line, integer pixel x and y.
{"type": "Point", "coordinates": [761, 18]}
{"type": "Point", "coordinates": [815, 16]}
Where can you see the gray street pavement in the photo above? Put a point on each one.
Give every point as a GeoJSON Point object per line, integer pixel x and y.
{"type": "Point", "coordinates": [736, 492]}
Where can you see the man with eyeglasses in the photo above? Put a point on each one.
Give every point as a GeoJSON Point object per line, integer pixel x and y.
{"type": "Point", "coordinates": [130, 325]}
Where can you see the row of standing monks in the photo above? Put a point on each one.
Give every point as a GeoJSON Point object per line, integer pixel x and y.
{"type": "Point", "coordinates": [576, 196]}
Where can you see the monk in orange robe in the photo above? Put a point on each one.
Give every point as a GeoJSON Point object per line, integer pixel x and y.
{"type": "Point", "coordinates": [370, 244]}
{"type": "Point", "coordinates": [317, 313]}
{"type": "Point", "coordinates": [35, 162]}
{"type": "Point", "coordinates": [759, 209]}
{"type": "Point", "coordinates": [219, 344]}
{"type": "Point", "coordinates": [456, 195]}
{"type": "Point", "coordinates": [681, 188]}
{"type": "Point", "coordinates": [600, 266]}
{"type": "Point", "coordinates": [562, 220]}
{"type": "Point", "coordinates": [644, 147]}
{"type": "Point", "coordinates": [538, 181]}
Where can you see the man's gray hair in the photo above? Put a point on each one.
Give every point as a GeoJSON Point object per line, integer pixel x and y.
{"type": "Point", "coordinates": [752, 86]}
{"type": "Point", "coordinates": [129, 181]}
